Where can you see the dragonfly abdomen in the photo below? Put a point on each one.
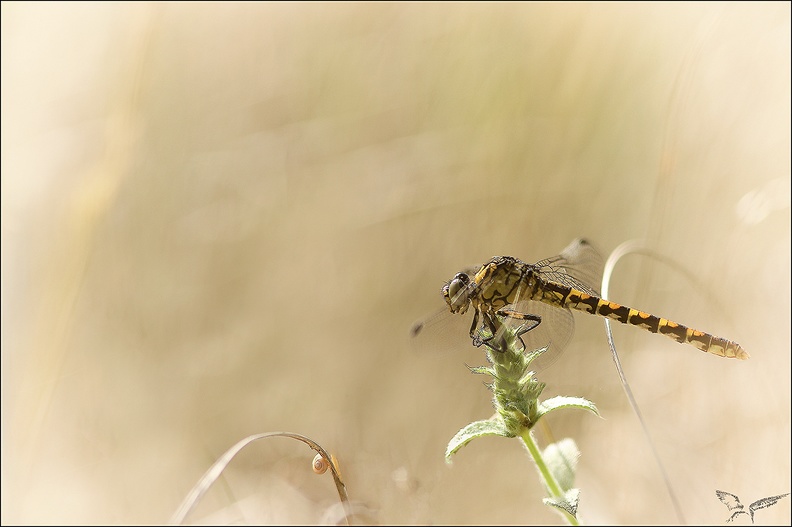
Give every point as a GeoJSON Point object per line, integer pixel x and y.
{"type": "Point", "coordinates": [705, 342]}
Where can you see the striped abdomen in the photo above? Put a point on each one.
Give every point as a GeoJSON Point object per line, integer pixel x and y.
{"type": "Point", "coordinates": [560, 295]}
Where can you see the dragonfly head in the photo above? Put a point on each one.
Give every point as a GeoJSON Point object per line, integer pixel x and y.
{"type": "Point", "coordinates": [457, 293]}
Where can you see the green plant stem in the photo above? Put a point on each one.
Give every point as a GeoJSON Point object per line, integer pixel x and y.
{"type": "Point", "coordinates": [550, 482]}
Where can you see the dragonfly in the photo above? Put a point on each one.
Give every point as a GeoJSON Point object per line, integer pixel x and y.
{"type": "Point", "coordinates": [538, 299]}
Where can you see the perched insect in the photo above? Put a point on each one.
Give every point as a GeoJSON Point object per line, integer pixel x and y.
{"type": "Point", "coordinates": [538, 299]}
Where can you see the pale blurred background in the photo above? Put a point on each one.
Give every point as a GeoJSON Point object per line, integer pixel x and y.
{"type": "Point", "coordinates": [223, 219]}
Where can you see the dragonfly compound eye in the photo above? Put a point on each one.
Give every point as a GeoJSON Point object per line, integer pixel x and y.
{"type": "Point", "coordinates": [457, 293]}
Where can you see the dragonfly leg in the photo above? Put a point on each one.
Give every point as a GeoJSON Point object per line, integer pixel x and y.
{"type": "Point", "coordinates": [532, 321]}
{"type": "Point", "coordinates": [473, 328]}
{"type": "Point", "coordinates": [493, 327]}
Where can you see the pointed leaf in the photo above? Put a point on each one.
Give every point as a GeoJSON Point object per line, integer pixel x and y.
{"type": "Point", "coordinates": [554, 403]}
{"type": "Point", "coordinates": [568, 503]}
{"type": "Point", "coordinates": [490, 427]}
{"type": "Point", "coordinates": [530, 356]}
{"type": "Point", "coordinates": [482, 370]}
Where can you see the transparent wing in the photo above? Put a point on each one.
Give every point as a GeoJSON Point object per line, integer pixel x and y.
{"type": "Point", "coordinates": [579, 265]}
{"type": "Point", "coordinates": [442, 331]}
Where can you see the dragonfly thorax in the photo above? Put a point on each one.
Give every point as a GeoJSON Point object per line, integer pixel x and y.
{"type": "Point", "coordinates": [457, 293]}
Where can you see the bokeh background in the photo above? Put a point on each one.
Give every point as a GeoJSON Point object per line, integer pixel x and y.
{"type": "Point", "coordinates": [220, 220]}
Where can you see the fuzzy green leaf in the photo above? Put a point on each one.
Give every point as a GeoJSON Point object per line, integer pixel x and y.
{"type": "Point", "coordinates": [554, 403]}
{"type": "Point", "coordinates": [490, 427]}
{"type": "Point", "coordinates": [561, 458]}
{"type": "Point", "coordinates": [482, 370]}
{"type": "Point", "coordinates": [530, 356]}
{"type": "Point", "coordinates": [568, 504]}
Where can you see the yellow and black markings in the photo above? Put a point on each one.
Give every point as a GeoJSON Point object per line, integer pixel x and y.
{"type": "Point", "coordinates": [505, 280]}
